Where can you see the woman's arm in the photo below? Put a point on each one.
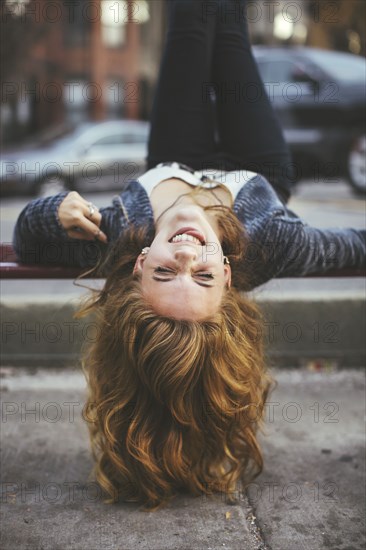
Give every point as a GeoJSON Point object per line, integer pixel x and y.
{"type": "Point", "coordinates": [294, 248]}
{"type": "Point", "coordinates": [59, 230]}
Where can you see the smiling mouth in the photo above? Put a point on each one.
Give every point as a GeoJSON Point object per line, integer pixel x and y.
{"type": "Point", "coordinates": [188, 234]}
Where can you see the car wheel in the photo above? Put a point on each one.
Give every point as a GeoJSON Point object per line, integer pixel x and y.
{"type": "Point", "coordinates": [356, 165]}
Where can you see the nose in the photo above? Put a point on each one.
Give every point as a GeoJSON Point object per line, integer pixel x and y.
{"type": "Point", "coordinates": [185, 255]}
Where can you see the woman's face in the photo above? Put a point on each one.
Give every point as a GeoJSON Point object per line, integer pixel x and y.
{"type": "Point", "coordinates": [183, 277]}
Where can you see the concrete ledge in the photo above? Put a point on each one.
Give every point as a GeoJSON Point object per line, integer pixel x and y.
{"type": "Point", "coordinates": [305, 320]}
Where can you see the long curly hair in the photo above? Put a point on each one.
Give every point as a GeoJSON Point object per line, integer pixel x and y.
{"type": "Point", "coordinates": [173, 405]}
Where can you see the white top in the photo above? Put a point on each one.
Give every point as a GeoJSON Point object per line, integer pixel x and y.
{"type": "Point", "coordinates": [233, 181]}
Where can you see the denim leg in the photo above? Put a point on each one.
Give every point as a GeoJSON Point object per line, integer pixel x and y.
{"type": "Point", "coordinates": [250, 134]}
{"type": "Point", "coordinates": [182, 119]}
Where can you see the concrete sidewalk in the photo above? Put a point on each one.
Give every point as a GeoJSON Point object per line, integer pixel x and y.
{"type": "Point", "coordinates": [310, 495]}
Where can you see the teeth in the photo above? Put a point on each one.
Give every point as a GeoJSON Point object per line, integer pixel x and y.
{"type": "Point", "coordinates": [185, 237]}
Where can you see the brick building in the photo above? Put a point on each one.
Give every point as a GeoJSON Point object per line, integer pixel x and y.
{"type": "Point", "coordinates": [97, 59]}
{"type": "Point", "coordinates": [79, 61]}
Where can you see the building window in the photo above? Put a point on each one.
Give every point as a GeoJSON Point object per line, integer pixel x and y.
{"type": "Point", "coordinates": [77, 25]}
{"type": "Point", "coordinates": [76, 101]}
{"type": "Point", "coordinates": [116, 14]}
{"type": "Point", "coordinates": [115, 98]}
{"type": "Point", "coordinates": [114, 20]}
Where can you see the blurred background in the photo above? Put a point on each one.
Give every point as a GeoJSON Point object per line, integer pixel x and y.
{"type": "Point", "coordinates": [78, 77]}
{"type": "Point", "coordinates": [52, 50]}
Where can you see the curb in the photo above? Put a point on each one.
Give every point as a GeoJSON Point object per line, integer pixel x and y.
{"type": "Point", "coordinates": [322, 322]}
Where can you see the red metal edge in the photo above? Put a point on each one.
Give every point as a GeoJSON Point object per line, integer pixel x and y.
{"type": "Point", "coordinates": [12, 270]}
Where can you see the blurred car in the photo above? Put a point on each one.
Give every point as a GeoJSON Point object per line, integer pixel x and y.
{"type": "Point", "coordinates": [319, 97]}
{"type": "Point", "coordinates": [94, 156]}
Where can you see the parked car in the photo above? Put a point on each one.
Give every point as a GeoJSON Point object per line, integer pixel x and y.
{"type": "Point", "coordinates": [319, 97]}
{"type": "Point", "coordinates": [94, 156]}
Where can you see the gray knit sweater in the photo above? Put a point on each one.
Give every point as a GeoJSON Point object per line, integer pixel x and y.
{"type": "Point", "coordinates": [291, 247]}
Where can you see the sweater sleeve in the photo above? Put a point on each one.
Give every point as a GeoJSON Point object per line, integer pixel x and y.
{"type": "Point", "coordinates": [294, 248]}
{"type": "Point", "coordinates": [39, 237]}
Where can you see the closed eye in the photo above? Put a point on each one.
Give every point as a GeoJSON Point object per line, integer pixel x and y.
{"type": "Point", "coordinates": [205, 275]}
{"type": "Point", "coordinates": [164, 271]}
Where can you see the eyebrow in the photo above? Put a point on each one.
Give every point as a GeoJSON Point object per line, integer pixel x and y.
{"type": "Point", "coordinates": [168, 280]}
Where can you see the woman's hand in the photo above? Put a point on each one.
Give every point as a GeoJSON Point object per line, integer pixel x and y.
{"type": "Point", "coordinates": [80, 218]}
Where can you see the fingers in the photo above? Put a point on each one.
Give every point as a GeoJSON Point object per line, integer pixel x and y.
{"type": "Point", "coordinates": [92, 213]}
{"type": "Point", "coordinates": [80, 218]}
{"type": "Point", "coordinates": [96, 235]}
{"type": "Point", "coordinates": [86, 229]}
{"type": "Point", "coordinates": [92, 227]}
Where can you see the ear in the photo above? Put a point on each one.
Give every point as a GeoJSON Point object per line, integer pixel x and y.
{"type": "Point", "coordinates": [227, 275]}
{"type": "Point", "coordinates": [139, 263]}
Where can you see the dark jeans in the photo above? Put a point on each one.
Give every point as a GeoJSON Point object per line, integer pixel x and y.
{"type": "Point", "coordinates": [211, 109]}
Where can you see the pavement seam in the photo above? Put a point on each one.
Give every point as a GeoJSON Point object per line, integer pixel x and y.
{"type": "Point", "coordinates": [254, 529]}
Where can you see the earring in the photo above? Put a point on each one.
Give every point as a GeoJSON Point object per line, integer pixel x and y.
{"type": "Point", "coordinates": [226, 260]}
{"type": "Point", "coordinates": [145, 250]}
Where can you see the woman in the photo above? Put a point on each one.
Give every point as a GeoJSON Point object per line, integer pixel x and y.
{"type": "Point", "coordinates": [177, 378]}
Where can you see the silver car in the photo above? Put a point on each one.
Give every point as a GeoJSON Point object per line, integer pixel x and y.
{"type": "Point", "coordinates": [95, 156]}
